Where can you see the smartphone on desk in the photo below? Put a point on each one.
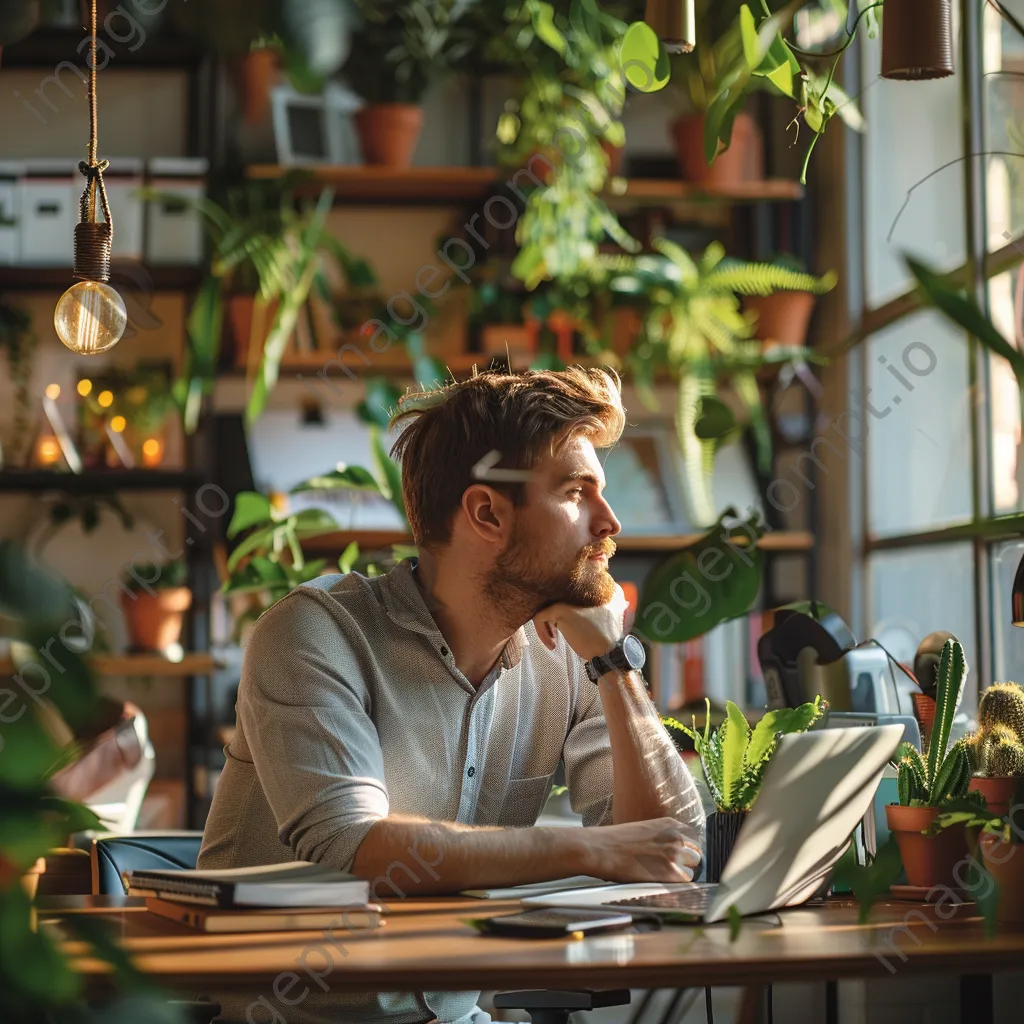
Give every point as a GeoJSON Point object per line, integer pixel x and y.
{"type": "Point", "coordinates": [552, 924]}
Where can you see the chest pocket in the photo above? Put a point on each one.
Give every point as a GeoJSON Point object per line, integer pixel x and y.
{"type": "Point", "coordinates": [524, 800]}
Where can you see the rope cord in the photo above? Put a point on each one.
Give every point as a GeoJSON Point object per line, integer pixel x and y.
{"type": "Point", "coordinates": [92, 168]}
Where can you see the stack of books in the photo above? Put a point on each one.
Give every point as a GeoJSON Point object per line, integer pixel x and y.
{"type": "Point", "coordinates": [297, 896]}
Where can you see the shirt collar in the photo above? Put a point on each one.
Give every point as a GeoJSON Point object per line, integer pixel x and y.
{"type": "Point", "coordinates": [405, 606]}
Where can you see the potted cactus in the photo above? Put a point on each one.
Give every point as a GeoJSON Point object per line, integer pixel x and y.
{"type": "Point", "coordinates": [733, 759]}
{"type": "Point", "coordinates": [996, 750]}
{"type": "Point", "coordinates": [927, 784]}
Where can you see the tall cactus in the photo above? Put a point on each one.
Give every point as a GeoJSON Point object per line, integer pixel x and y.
{"type": "Point", "coordinates": [943, 774]}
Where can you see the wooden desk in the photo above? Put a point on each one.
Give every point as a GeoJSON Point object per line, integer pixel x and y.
{"type": "Point", "coordinates": [425, 945]}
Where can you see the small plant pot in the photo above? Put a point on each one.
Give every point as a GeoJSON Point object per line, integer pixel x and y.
{"type": "Point", "coordinates": [722, 829]}
{"type": "Point", "coordinates": [917, 39]}
{"type": "Point", "coordinates": [743, 161]}
{"type": "Point", "coordinates": [388, 132]}
{"type": "Point", "coordinates": [616, 158]}
{"type": "Point", "coordinates": [927, 860]}
{"type": "Point", "coordinates": [997, 791]}
{"type": "Point", "coordinates": [247, 338]}
{"type": "Point", "coordinates": [155, 620]}
{"type": "Point", "coordinates": [782, 317]}
{"type": "Point", "coordinates": [924, 712]}
{"type": "Point", "coordinates": [1005, 863]}
{"type": "Point", "coordinates": [258, 73]}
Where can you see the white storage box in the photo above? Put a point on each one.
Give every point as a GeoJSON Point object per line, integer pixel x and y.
{"type": "Point", "coordinates": [10, 211]}
{"type": "Point", "coordinates": [175, 232]}
{"type": "Point", "coordinates": [50, 191]}
{"type": "Point", "coordinates": [123, 180]}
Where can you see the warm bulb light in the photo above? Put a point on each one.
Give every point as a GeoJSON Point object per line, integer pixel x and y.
{"type": "Point", "coordinates": [117, 424]}
{"type": "Point", "coordinates": [152, 452]}
{"type": "Point", "coordinates": [105, 399]}
{"type": "Point", "coordinates": [47, 451]}
{"type": "Point", "coordinates": [53, 392]}
{"type": "Point", "coordinates": [84, 387]}
{"type": "Point", "coordinates": [90, 317]}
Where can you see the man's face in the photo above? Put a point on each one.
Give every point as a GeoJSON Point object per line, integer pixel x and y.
{"type": "Point", "coordinates": [561, 538]}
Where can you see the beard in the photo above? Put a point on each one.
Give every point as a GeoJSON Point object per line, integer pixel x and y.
{"type": "Point", "coordinates": [527, 576]}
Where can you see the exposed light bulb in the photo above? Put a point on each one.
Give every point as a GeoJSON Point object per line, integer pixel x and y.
{"type": "Point", "coordinates": [90, 317]}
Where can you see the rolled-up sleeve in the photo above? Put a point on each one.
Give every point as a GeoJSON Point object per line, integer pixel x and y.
{"type": "Point", "coordinates": [305, 716]}
{"type": "Point", "coordinates": [587, 754]}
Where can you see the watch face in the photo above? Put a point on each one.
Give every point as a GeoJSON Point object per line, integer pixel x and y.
{"type": "Point", "coordinates": [634, 651]}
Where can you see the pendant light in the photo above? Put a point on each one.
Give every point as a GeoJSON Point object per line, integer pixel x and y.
{"type": "Point", "coordinates": [90, 316]}
{"type": "Point", "coordinates": [674, 23]}
{"type": "Point", "coordinates": [917, 39]}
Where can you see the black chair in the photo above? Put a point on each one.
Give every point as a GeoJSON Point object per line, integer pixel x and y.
{"type": "Point", "coordinates": [114, 853]}
{"type": "Point", "coordinates": [553, 1006]}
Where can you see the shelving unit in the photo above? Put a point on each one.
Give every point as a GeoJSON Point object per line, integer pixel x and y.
{"type": "Point", "coordinates": [46, 48]}
{"type": "Point", "coordinates": [135, 276]}
{"type": "Point", "coordinates": [148, 665]}
{"type": "Point", "coordinates": [97, 482]}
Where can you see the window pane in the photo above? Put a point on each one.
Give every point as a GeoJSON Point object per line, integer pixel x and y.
{"type": "Point", "coordinates": [1004, 125]}
{"type": "Point", "coordinates": [913, 130]}
{"type": "Point", "coordinates": [915, 592]}
{"type": "Point", "coordinates": [918, 427]}
{"type": "Point", "coordinates": [1008, 640]}
{"type": "Point", "coordinates": [1005, 398]}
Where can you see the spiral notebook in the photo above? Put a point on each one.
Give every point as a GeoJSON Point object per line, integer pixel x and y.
{"type": "Point", "coordinates": [295, 884]}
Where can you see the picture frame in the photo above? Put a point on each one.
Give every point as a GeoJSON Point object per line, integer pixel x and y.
{"type": "Point", "coordinates": [315, 129]}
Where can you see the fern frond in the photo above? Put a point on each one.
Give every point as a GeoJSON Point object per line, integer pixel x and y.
{"type": "Point", "coordinates": [765, 278]}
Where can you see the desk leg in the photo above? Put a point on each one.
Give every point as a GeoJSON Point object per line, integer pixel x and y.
{"type": "Point", "coordinates": [976, 1003]}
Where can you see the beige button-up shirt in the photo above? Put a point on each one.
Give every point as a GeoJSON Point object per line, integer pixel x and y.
{"type": "Point", "coordinates": [351, 707]}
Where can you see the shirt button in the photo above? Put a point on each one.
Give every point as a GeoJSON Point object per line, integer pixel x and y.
{"type": "Point", "coordinates": [471, 772]}
{"type": "Point", "coordinates": [444, 652]}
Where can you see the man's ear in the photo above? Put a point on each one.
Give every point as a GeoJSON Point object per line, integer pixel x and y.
{"type": "Point", "coordinates": [488, 512]}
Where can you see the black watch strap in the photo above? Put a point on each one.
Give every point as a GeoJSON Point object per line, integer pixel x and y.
{"type": "Point", "coordinates": [626, 656]}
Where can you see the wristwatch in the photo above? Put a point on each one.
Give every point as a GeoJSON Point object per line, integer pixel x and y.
{"type": "Point", "coordinates": [627, 655]}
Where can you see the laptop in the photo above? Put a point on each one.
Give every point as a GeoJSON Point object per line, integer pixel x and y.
{"type": "Point", "coordinates": [816, 789]}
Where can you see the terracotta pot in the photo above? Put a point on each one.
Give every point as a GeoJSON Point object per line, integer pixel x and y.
{"type": "Point", "coordinates": [616, 158]}
{"type": "Point", "coordinates": [997, 791]}
{"type": "Point", "coordinates": [927, 860]}
{"type": "Point", "coordinates": [247, 345]}
{"type": "Point", "coordinates": [722, 830]}
{"type": "Point", "coordinates": [30, 878]}
{"type": "Point", "coordinates": [388, 132]}
{"type": "Point", "coordinates": [924, 710]}
{"type": "Point", "coordinates": [742, 161]}
{"type": "Point", "coordinates": [917, 39]}
{"type": "Point", "coordinates": [155, 620]}
{"type": "Point", "coordinates": [782, 317]}
{"type": "Point", "coordinates": [1005, 863]}
{"type": "Point", "coordinates": [259, 70]}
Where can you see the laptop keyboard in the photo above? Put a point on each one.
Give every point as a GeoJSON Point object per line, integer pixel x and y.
{"type": "Point", "coordinates": [695, 901]}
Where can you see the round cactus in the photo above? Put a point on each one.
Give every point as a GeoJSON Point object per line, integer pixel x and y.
{"type": "Point", "coordinates": [982, 746]}
{"type": "Point", "coordinates": [1003, 704]}
{"type": "Point", "coordinates": [1007, 757]}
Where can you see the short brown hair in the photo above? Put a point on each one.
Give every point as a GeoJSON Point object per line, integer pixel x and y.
{"type": "Point", "coordinates": [522, 416]}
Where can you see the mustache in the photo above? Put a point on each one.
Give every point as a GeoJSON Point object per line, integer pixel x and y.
{"type": "Point", "coordinates": [604, 547]}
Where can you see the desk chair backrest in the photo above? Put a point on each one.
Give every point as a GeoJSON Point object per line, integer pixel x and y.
{"type": "Point", "coordinates": [113, 854]}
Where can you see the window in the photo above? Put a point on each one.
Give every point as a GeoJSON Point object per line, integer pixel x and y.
{"type": "Point", "coordinates": [943, 447]}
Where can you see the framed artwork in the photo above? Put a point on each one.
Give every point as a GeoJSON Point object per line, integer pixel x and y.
{"type": "Point", "coordinates": [315, 129]}
{"type": "Point", "coordinates": [644, 483]}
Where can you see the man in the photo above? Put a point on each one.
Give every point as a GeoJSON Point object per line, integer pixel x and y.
{"type": "Point", "coordinates": [406, 728]}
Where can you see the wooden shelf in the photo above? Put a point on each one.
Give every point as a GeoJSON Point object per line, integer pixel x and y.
{"type": "Point", "coordinates": [649, 190]}
{"type": "Point", "coordinates": [140, 665]}
{"type": "Point", "coordinates": [48, 47]}
{"type": "Point", "coordinates": [97, 482]}
{"type": "Point", "coordinates": [780, 541]}
{"type": "Point", "coordinates": [358, 183]}
{"type": "Point", "coordinates": [457, 185]}
{"type": "Point", "coordinates": [133, 277]}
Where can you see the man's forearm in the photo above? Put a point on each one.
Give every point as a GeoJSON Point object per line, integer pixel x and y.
{"type": "Point", "coordinates": [406, 856]}
{"type": "Point", "coordinates": [650, 778]}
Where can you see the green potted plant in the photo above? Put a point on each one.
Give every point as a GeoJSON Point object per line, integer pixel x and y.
{"type": "Point", "coordinates": [783, 316]}
{"type": "Point", "coordinates": [268, 256]}
{"type": "Point", "coordinates": [37, 978]}
{"type": "Point", "coordinates": [928, 783]}
{"type": "Point", "coordinates": [401, 48]}
{"type": "Point", "coordinates": [693, 326]}
{"type": "Point", "coordinates": [733, 759]}
{"type": "Point", "coordinates": [18, 342]}
{"type": "Point", "coordinates": [154, 602]}
{"type": "Point", "coordinates": [996, 750]}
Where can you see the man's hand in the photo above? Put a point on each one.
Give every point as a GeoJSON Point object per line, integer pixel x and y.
{"type": "Point", "coordinates": [659, 850]}
{"type": "Point", "coordinates": [590, 632]}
